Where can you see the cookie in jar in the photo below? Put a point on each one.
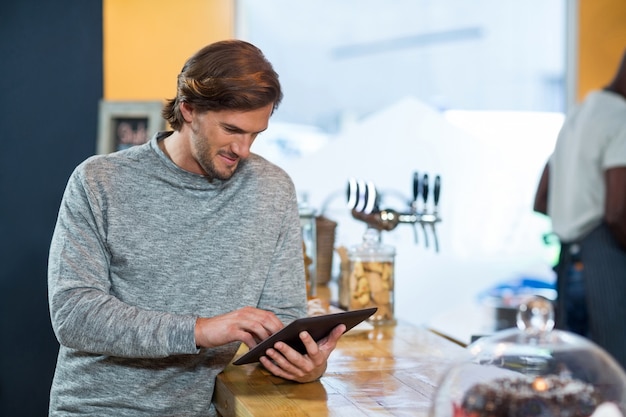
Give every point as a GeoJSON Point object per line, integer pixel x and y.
{"type": "Point", "coordinates": [371, 278]}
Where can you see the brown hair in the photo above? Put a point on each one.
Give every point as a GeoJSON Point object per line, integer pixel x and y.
{"type": "Point", "coordinates": [226, 75]}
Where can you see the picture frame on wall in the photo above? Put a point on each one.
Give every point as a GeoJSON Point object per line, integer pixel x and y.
{"type": "Point", "coordinates": [122, 124]}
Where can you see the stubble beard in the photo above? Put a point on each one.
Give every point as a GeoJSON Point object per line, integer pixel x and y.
{"type": "Point", "coordinates": [205, 157]}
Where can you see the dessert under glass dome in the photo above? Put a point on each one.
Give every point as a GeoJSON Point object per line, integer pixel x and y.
{"type": "Point", "coordinates": [532, 371]}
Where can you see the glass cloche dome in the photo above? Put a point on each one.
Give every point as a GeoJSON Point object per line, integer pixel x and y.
{"type": "Point", "coordinates": [532, 371]}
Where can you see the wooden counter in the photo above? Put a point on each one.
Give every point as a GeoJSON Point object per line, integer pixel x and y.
{"type": "Point", "coordinates": [387, 371]}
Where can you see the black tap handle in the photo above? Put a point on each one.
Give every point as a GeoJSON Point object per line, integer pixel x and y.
{"type": "Point", "coordinates": [352, 193]}
{"type": "Point", "coordinates": [371, 198]}
{"type": "Point", "coordinates": [437, 190]}
{"type": "Point", "coordinates": [416, 186]}
{"type": "Point", "coordinates": [425, 188]}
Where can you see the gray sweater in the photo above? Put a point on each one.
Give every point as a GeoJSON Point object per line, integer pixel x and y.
{"type": "Point", "coordinates": [140, 250]}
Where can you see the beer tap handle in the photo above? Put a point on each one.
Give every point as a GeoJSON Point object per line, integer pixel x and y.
{"type": "Point", "coordinates": [425, 189]}
{"type": "Point", "coordinates": [352, 193]}
{"type": "Point", "coordinates": [416, 191]}
{"type": "Point", "coordinates": [371, 198]}
{"type": "Point", "coordinates": [437, 191]}
{"type": "Point", "coordinates": [425, 198]}
{"type": "Point", "coordinates": [436, 194]}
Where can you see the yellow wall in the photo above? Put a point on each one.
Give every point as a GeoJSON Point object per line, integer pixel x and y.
{"type": "Point", "coordinates": [601, 42]}
{"type": "Point", "coordinates": [146, 42]}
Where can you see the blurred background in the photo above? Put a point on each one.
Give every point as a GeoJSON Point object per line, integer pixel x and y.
{"type": "Point", "coordinates": [474, 92]}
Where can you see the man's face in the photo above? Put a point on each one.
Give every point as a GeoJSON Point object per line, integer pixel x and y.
{"type": "Point", "coordinates": [219, 140]}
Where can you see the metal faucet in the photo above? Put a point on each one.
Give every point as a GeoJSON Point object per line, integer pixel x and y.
{"type": "Point", "coordinates": [363, 200]}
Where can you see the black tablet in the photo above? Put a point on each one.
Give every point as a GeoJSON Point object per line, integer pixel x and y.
{"type": "Point", "coordinates": [317, 326]}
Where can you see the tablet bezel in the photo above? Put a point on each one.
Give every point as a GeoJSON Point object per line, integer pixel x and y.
{"type": "Point", "coordinates": [318, 327]}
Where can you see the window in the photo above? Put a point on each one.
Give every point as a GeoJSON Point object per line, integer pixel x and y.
{"type": "Point", "coordinates": [340, 60]}
{"type": "Point", "coordinates": [472, 91]}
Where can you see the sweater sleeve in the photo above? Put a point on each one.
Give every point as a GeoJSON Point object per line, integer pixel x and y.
{"type": "Point", "coordinates": [85, 315]}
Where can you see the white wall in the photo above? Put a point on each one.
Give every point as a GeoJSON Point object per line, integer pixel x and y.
{"type": "Point", "coordinates": [489, 163]}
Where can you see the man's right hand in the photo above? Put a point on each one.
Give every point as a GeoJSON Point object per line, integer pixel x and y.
{"type": "Point", "coordinates": [248, 325]}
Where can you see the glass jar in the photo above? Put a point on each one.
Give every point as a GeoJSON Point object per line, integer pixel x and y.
{"type": "Point", "coordinates": [370, 280]}
{"type": "Point", "coordinates": [309, 246]}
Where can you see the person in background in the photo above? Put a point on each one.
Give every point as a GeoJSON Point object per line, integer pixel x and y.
{"type": "Point", "coordinates": [583, 191]}
{"type": "Point", "coordinates": [167, 255]}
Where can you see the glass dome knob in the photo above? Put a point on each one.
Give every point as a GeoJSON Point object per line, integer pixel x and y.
{"type": "Point", "coordinates": [535, 315]}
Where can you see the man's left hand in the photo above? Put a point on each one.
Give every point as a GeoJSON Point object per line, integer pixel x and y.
{"type": "Point", "coordinates": [286, 362]}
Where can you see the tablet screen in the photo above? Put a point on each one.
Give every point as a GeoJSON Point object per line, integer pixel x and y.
{"type": "Point", "coordinates": [317, 326]}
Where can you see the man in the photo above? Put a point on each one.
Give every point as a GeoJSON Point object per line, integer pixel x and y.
{"type": "Point", "coordinates": [583, 190]}
{"type": "Point", "coordinates": [166, 255]}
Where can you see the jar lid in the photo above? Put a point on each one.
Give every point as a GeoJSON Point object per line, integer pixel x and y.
{"type": "Point", "coordinates": [304, 209]}
{"type": "Point", "coordinates": [371, 247]}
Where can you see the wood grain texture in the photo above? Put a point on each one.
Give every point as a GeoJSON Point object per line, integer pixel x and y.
{"type": "Point", "coordinates": [388, 371]}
